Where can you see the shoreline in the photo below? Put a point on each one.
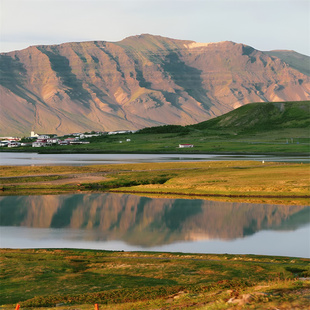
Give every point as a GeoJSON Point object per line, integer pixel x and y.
{"type": "Point", "coordinates": [179, 152]}
{"type": "Point", "coordinates": [209, 195]}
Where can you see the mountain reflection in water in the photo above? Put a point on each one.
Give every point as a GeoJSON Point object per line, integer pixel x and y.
{"type": "Point", "coordinates": [146, 221]}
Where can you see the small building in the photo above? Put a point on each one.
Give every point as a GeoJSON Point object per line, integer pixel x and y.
{"type": "Point", "coordinates": [63, 142]}
{"type": "Point", "coordinates": [4, 143]}
{"type": "Point", "coordinates": [119, 132]}
{"type": "Point", "coordinates": [42, 137]}
{"type": "Point", "coordinates": [38, 144]}
{"type": "Point", "coordinates": [83, 136]}
{"type": "Point", "coordinates": [33, 134]}
{"type": "Point", "coordinates": [185, 145]}
{"type": "Point", "coordinates": [14, 144]}
{"type": "Point", "coordinates": [52, 141]}
{"type": "Point", "coordinates": [71, 140]}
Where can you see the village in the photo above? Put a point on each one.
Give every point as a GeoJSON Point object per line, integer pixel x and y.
{"type": "Point", "coordinates": [45, 140]}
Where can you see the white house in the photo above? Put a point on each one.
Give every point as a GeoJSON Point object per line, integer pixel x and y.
{"type": "Point", "coordinates": [38, 144]}
{"type": "Point", "coordinates": [52, 141]}
{"type": "Point", "coordinates": [65, 142]}
{"type": "Point", "coordinates": [42, 137]}
{"type": "Point", "coordinates": [33, 135]}
{"type": "Point", "coordinates": [14, 144]}
{"type": "Point", "coordinates": [185, 145]}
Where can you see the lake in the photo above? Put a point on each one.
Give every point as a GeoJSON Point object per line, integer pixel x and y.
{"type": "Point", "coordinates": [110, 221]}
{"type": "Point", "coordinates": [132, 223]}
{"type": "Point", "coordinates": [20, 158]}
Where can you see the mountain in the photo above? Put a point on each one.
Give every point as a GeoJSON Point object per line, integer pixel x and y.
{"type": "Point", "coordinates": [141, 81]}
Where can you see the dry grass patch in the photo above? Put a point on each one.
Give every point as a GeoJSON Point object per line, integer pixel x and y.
{"type": "Point", "coordinates": [248, 178]}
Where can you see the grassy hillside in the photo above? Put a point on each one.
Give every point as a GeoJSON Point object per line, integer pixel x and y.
{"type": "Point", "coordinates": [262, 116]}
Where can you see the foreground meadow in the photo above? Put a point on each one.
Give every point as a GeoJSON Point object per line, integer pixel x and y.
{"type": "Point", "coordinates": [78, 279]}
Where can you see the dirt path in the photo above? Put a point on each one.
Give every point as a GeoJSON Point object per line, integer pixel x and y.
{"type": "Point", "coordinates": [78, 178]}
{"type": "Point", "coordinates": [72, 178]}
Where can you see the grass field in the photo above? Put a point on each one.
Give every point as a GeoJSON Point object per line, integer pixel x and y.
{"type": "Point", "coordinates": [285, 141]}
{"type": "Point", "coordinates": [280, 182]}
{"type": "Point", "coordinates": [77, 279]}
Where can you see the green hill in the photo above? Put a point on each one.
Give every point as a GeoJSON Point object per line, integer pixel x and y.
{"type": "Point", "coordinates": [253, 117]}
{"type": "Point", "coordinates": [262, 116]}
{"type": "Point", "coordinates": [275, 127]}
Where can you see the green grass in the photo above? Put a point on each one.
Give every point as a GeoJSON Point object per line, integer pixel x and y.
{"type": "Point", "coordinates": [295, 142]}
{"type": "Point", "coordinates": [40, 278]}
{"type": "Point", "coordinates": [214, 178]}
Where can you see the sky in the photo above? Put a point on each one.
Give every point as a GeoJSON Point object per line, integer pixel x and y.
{"type": "Point", "coordinates": [262, 24]}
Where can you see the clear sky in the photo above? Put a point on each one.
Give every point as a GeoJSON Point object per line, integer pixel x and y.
{"type": "Point", "coordinates": [262, 24]}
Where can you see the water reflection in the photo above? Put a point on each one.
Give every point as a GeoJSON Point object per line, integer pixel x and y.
{"type": "Point", "coordinates": [146, 222]}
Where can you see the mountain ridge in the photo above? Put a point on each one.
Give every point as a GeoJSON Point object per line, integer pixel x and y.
{"type": "Point", "coordinates": [139, 82]}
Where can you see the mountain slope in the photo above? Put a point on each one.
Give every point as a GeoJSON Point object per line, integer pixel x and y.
{"type": "Point", "coordinates": [262, 116]}
{"type": "Point", "coordinates": [295, 60]}
{"type": "Point", "coordinates": [139, 82]}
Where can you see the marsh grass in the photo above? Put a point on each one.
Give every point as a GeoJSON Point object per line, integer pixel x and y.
{"type": "Point", "coordinates": [231, 179]}
{"type": "Point", "coordinates": [44, 278]}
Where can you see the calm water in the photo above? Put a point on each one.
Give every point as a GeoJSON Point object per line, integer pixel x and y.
{"type": "Point", "coordinates": [11, 158]}
{"type": "Point", "coordinates": [128, 222]}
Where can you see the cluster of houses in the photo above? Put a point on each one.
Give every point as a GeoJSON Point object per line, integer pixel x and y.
{"type": "Point", "coordinates": [46, 140]}
{"type": "Point", "coordinates": [10, 142]}
{"type": "Point", "coordinates": [49, 140]}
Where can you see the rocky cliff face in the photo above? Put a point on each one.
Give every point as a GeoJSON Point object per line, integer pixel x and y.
{"type": "Point", "coordinates": [139, 82]}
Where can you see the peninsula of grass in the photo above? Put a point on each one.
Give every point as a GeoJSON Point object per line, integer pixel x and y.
{"type": "Point", "coordinates": [78, 279]}
{"type": "Point", "coordinates": [284, 182]}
